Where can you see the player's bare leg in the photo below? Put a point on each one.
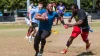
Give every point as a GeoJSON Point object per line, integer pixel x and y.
{"type": "Point", "coordinates": [57, 21]}
{"type": "Point", "coordinates": [29, 32]}
{"type": "Point", "coordinates": [61, 19]}
{"type": "Point", "coordinates": [88, 43]}
{"type": "Point", "coordinates": [32, 35]}
{"type": "Point", "coordinates": [69, 42]}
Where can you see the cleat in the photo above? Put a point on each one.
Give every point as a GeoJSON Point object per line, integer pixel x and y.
{"type": "Point", "coordinates": [26, 37]}
{"type": "Point", "coordinates": [36, 54]}
{"type": "Point", "coordinates": [29, 39]}
{"type": "Point", "coordinates": [40, 53]}
{"type": "Point", "coordinates": [64, 51]}
{"type": "Point", "coordinates": [88, 46]}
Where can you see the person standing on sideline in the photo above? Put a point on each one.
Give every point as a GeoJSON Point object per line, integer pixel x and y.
{"type": "Point", "coordinates": [54, 9]}
{"type": "Point", "coordinates": [61, 11]}
{"type": "Point", "coordinates": [45, 25]}
{"type": "Point", "coordinates": [80, 27]}
{"type": "Point", "coordinates": [54, 6]}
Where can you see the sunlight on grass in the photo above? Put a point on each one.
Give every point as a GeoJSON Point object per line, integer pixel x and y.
{"type": "Point", "coordinates": [13, 26]}
{"type": "Point", "coordinates": [94, 24]}
{"type": "Point", "coordinates": [25, 26]}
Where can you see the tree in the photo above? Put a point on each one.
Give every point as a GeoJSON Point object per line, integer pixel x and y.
{"type": "Point", "coordinates": [12, 4]}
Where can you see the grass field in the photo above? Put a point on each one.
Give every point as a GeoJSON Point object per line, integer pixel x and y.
{"type": "Point", "coordinates": [12, 42]}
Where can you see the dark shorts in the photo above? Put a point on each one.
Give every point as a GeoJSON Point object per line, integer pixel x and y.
{"type": "Point", "coordinates": [41, 34]}
{"type": "Point", "coordinates": [60, 14]}
{"type": "Point", "coordinates": [34, 25]}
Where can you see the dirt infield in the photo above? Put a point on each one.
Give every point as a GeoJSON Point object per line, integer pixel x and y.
{"type": "Point", "coordinates": [12, 43]}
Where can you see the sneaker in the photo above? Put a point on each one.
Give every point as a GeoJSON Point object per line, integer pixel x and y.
{"type": "Point", "coordinates": [29, 39]}
{"type": "Point", "coordinates": [88, 46]}
{"type": "Point", "coordinates": [64, 51]}
{"type": "Point", "coordinates": [40, 53]}
{"type": "Point", "coordinates": [26, 37]}
{"type": "Point", "coordinates": [40, 42]}
{"type": "Point", "coordinates": [32, 37]}
{"type": "Point", "coordinates": [36, 54]}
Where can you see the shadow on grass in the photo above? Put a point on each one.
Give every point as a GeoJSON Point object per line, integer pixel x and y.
{"type": "Point", "coordinates": [86, 54]}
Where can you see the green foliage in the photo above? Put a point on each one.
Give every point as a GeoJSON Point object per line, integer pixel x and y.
{"type": "Point", "coordinates": [13, 26]}
{"type": "Point", "coordinates": [21, 4]}
{"type": "Point", "coordinates": [67, 3]}
{"type": "Point", "coordinates": [86, 4]}
{"type": "Point", "coordinates": [12, 4]}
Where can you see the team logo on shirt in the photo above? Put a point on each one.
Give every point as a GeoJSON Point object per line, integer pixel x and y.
{"type": "Point", "coordinates": [61, 8]}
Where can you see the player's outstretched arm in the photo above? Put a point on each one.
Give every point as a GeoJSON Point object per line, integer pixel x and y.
{"type": "Point", "coordinates": [70, 19]}
{"type": "Point", "coordinates": [78, 23]}
{"type": "Point", "coordinates": [75, 24]}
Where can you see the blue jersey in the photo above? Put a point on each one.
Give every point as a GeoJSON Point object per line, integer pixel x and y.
{"type": "Point", "coordinates": [34, 7]}
{"type": "Point", "coordinates": [33, 13]}
{"type": "Point", "coordinates": [42, 11]}
{"type": "Point", "coordinates": [47, 25]}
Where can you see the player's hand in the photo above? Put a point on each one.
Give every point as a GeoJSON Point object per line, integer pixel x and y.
{"type": "Point", "coordinates": [45, 16]}
{"type": "Point", "coordinates": [69, 20]}
{"type": "Point", "coordinates": [69, 25]}
{"type": "Point", "coordinates": [65, 26]}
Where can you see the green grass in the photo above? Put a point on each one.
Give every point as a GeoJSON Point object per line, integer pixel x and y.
{"type": "Point", "coordinates": [24, 26]}
{"type": "Point", "coordinates": [13, 26]}
{"type": "Point", "coordinates": [94, 24]}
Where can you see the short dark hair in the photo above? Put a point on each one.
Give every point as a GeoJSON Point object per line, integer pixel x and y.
{"type": "Point", "coordinates": [75, 6]}
{"type": "Point", "coordinates": [61, 2]}
{"type": "Point", "coordinates": [40, 3]}
{"type": "Point", "coordinates": [53, 2]}
{"type": "Point", "coordinates": [49, 3]}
